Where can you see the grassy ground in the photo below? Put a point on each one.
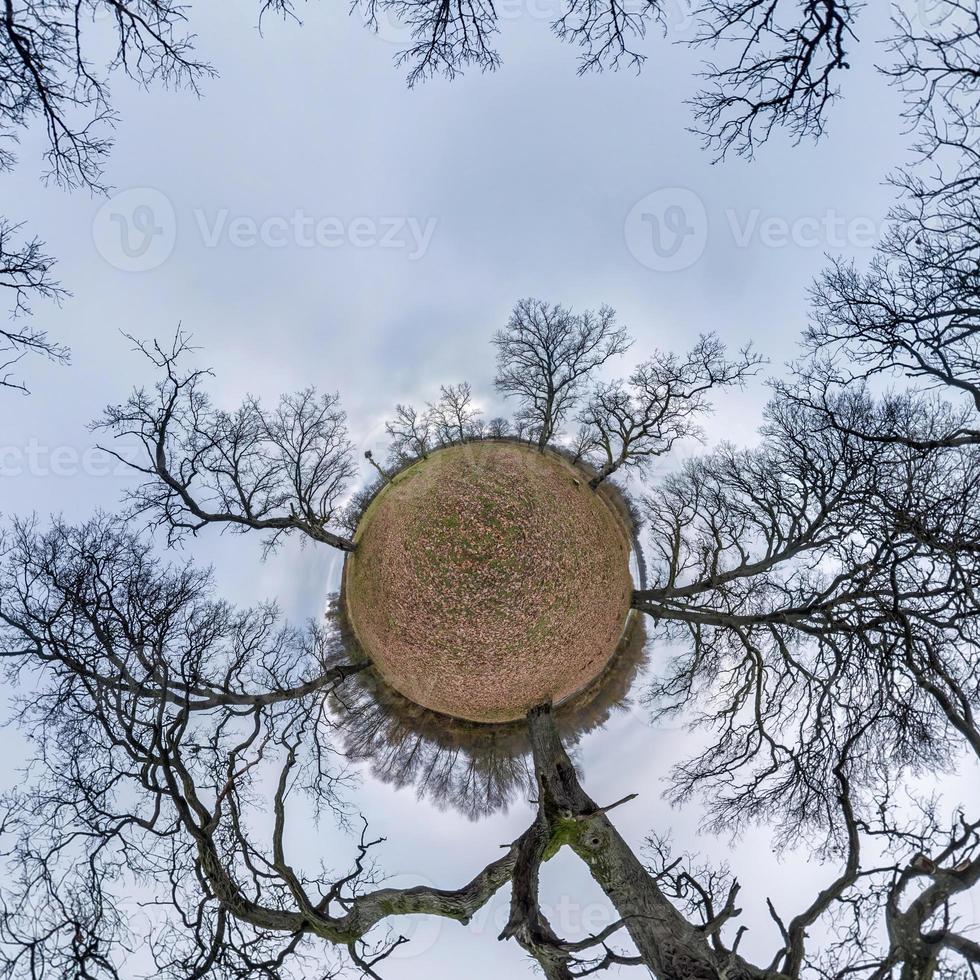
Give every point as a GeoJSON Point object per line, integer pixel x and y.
{"type": "Point", "coordinates": [487, 579]}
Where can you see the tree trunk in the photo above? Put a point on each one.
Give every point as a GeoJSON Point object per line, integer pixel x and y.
{"type": "Point", "coordinates": [919, 966]}
{"type": "Point", "coordinates": [382, 472]}
{"type": "Point", "coordinates": [547, 424]}
{"type": "Point", "coordinates": [607, 470]}
{"type": "Point", "coordinates": [335, 540]}
{"type": "Point", "coordinates": [669, 945]}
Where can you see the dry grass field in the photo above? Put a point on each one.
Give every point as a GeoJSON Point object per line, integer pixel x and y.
{"type": "Point", "coordinates": [489, 578]}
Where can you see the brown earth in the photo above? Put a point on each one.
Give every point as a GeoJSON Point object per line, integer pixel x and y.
{"type": "Point", "coordinates": [487, 579]}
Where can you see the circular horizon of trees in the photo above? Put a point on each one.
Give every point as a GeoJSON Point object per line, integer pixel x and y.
{"type": "Point", "coordinates": [818, 592]}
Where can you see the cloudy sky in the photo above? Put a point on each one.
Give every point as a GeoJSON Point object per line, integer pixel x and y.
{"type": "Point", "coordinates": [312, 221]}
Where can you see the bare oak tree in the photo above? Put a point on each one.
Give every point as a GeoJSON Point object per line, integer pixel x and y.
{"type": "Point", "coordinates": [832, 649]}
{"type": "Point", "coordinates": [546, 356]}
{"type": "Point", "coordinates": [626, 424]}
{"type": "Point", "coordinates": [786, 58]}
{"type": "Point", "coordinates": [454, 417]}
{"type": "Point", "coordinates": [937, 54]}
{"type": "Point", "coordinates": [498, 428]}
{"type": "Point", "coordinates": [771, 64]}
{"type": "Point", "coordinates": [47, 72]}
{"type": "Point", "coordinates": [163, 712]}
{"type": "Point", "coordinates": [410, 433]}
{"type": "Point", "coordinates": [830, 662]}
{"type": "Point", "coordinates": [784, 71]}
{"type": "Point", "coordinates": [911, 316]}
{"type": "Point", "coordinates": [820, 592]}
{"type": "Point", "coordinates": [278, 471]}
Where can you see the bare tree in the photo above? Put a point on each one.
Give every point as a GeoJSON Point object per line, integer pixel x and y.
{"type": "Point", "coordinates": [453, 418]}
{"type": "Point", "coordinates": [445, 39]}
{"type": "Point", "coordinates": [161, 714]}
{"type": "Point", "coordinates": [829, 654]}
{"type": "Point", "coordinates": [410, 433]}
{"type": "Point", "coordinates": [584, 443]}
{"type": "Point", "coordinates": [913, 315]}
{"type": "Point", "coordinates": [782, 71]}
{"type": "Point", "coordinates": [936, 68]}
{"type": "Point", "coordinates": [545, 357]}
{"type": "Point", "coordinates": [771, 64]}
{"type": "Point", "coordinates": [787, 57]}
{"type": "Point", "coordinates": [627, 424]}
{"type": "Point", "coordinates": [47, 71]}
{"type": "Point", "coordinates": [498, 428]}
{"type": "Point", "coordinates": [277, 471]}
{"type": "Point", "coordinates": [447, 762]}
{"type": "Point", "coordinates": [909, 318]}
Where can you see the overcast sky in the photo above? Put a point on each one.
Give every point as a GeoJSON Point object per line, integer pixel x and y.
{"type": "Point", "coordinates": [312, 221]}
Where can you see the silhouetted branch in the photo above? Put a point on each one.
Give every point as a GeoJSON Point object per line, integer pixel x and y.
{"type": "Point", "coordinates": [278, 471]}
{"type": "Point", "coordinates": [626, 424]}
